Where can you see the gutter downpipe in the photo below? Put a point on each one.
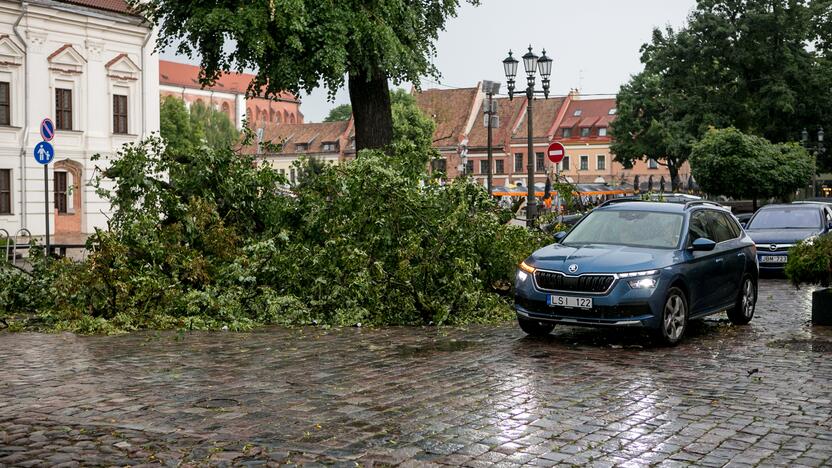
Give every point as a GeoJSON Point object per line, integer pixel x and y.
{"type": "Point", "coordinates": [25, 140]}
{"type": "Point", "coordinates": [144, 83]}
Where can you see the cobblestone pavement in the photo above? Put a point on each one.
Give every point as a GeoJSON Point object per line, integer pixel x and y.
{"type": "Point", "coordinates": [479, 396]}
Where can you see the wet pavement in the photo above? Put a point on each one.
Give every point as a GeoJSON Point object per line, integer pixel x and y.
{"type": "Point", "coordinates": [480, 396]}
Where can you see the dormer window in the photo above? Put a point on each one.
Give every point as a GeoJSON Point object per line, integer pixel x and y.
{"type": "Point", "coordinates": [602, 131]}
{"type": "Point", "coordinates": [577, 113]}
{"type": "Point", "coordinates": [302, 147]}
{"type": "Point", "coordinates": [567, 132]}
{"type": "Point", "coordinates": [330, 147]}
{"type": "Point", "coordinates": [613, 111]}
{"type": "Point", "coordinates": [585, 132]}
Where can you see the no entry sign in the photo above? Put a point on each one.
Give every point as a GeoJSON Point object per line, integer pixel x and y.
{"type": "Point", "coordinates": [556, 152]}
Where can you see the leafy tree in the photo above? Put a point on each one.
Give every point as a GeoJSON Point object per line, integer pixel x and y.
{"type": "Point", "coordinates": [217, 127]}
{"type": "Point", "coordinates": [740, 63]}
{"type": "Point", "coordinates": [176, 128]}
{"type": "Point", "coordinates": [731, 163]}
{"type": "Point", "coordinates": [339, 113]}
{"type": "Point", "coordinates": [652, 125]}
{"type": "Point", "coordinates": [412, 131]}
{"type": "Point", "coordinates": [184, 130]}
{"type": "Point", "coordinates": [298, 44]}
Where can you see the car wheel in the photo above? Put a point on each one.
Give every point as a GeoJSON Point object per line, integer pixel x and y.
{"type": "Point", "coordinates": [674, 318]}
{"type": "Point", "coordinates": [535, 327]}
{"type": "Point", "coordinates": [743, 310]}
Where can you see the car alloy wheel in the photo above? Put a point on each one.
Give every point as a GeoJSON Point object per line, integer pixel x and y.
{"type": "Point", "coordinates": [743, 310]}
{"type": "Point", "coordinates": [748, 294]}
{"type": "Point", "coordinates": [674, 319]}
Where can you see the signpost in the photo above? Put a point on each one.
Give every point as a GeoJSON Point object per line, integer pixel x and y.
{"type": "Point", "coordinates": [44, 154]}
{"type": "Point", "coordinates": [556, 153]}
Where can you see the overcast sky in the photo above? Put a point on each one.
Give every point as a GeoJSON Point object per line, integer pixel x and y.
{"type": "Point", "coordinates": [595, 45]}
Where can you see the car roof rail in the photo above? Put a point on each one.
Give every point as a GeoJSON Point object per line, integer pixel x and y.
{"type": "Point", "coordinates": [613, 201]}
{"type": "Point", "coordinates": [702, 202]}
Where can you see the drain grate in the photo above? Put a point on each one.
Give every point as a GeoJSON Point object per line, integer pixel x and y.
{"type": "Point", "coordinates": [815, 346]}
{"type": "Point", "coordinates": [216, 403]}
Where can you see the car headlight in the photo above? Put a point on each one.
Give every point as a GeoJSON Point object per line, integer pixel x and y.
{"type": "Point", "coordinates": [643, 283]}
{"type": "Point", "coordinates": [638, 273]}
{"type": "Point", "coordinates": [640, 279]}
{"type": "Point", "coordinates": [524, 270]}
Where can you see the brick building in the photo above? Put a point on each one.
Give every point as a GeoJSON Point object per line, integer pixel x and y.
{"type": "Point", "coordinates": [581, 124]}
{"type": "Point", "coordinates": [228, 95]}
{"type": "Point", "coordinates": [330, 142]}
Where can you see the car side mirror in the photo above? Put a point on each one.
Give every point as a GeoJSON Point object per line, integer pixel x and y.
{"type": "Point", "coordinates": [703, 245]}
{"type": "Point", "coordinates": [559, 236]}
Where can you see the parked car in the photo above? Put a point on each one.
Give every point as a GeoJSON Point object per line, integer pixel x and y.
{"type": "Point", "coordinates": [777, 228]}
{"type": "Point", "coordinates": [743, 218]}
{"type": "Point", "coordinates": [640, 264]}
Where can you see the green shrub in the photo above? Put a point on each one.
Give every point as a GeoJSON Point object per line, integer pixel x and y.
{"type": "Point", "coordinates": [810, 262]}
{"type": "Point", "coordinates": [211, 241]}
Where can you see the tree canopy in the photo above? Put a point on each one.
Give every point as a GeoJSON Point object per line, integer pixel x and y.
{"type": "Point", "coordinates": [299, 45]}
{"type": "Point", "coordinates": [743, 63]}
{"type": "Point", "coordinates": [339, 113]}
{"type": "Point", "coordinates": [185, 130]}
{"type": "Point", "coordinates": [731, 163]}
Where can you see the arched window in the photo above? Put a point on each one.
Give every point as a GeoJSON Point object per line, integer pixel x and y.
{"type": "Point", "coordinates": [279, 117]}
{"type": "Point", "coordinates": [272, 117]}
{"type": "Point", "coordinates": [285, 116]}
{"type": "Point", "coordinates": [292, 118]}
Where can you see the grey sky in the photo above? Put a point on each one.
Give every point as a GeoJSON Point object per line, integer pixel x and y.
{"type": "Point", "coordinates": [595, 44]}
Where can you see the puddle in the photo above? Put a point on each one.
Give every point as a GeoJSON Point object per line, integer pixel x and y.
{"type": "Point", "coordinates": [815, 346]}
{"type": "Point", "coordinates": [444, 346]}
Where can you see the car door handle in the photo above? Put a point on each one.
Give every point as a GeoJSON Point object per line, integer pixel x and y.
{"type": "Point", "coordinates": [719, 260]}
{"type": "Point", "coordinates": [741, 254]}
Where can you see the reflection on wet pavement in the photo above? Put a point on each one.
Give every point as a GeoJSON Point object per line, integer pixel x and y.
{"type": "Point", "coordinates": [474, 396]}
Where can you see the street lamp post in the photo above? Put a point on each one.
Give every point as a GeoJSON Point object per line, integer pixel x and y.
{"type": "Point", "coordinates": [819, 151]}
{"type": "Point", "coordinates": [532, 64]}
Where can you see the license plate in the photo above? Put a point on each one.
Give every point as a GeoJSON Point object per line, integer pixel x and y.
{"type": "Point", "coordinates": [570, 301]}
{"type": "Point", "coordinates": [774, 259]}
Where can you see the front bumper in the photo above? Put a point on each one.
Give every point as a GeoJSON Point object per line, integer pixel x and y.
{"type": "Point", "coordinates": [621, 306]}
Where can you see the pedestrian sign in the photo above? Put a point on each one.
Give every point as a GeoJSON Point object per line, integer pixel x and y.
{"type": "Point", "coordinates": [44, 153]}
{"type": "Point", "coordinates": [47, 129]}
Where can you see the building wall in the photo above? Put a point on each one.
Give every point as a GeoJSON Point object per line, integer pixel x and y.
{"type": "Point", "coordinates": [96, 56]}
{"type": "Point", "coordinates": [258, 111]}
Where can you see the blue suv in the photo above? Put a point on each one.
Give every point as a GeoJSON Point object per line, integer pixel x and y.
{"type": "Point", "coordinates": [641, 264]}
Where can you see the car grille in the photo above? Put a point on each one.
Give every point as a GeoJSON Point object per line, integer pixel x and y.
{"type": "Point", "coordinates": [554, 281]}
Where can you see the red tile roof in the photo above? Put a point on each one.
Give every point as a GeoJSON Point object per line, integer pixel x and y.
{"type": "Point", "coordinates": [312, 134]}
{"type": "Point", "coordinates": [593, 110]}
{"type": "Point", "coordinates": [507, 110]}
{"type": "Point", "coordinates": [118, 6]}
{"type": "Point", "coordinates": [544, 113]}
{"type": "Point", "coordinates": [187, 76]}
{"type": "Point", "coordinates": [450, 108]}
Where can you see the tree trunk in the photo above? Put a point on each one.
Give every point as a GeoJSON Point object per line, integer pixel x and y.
{"type": "Point", "coordinates": [674, 176]}
{"type": "Point", "coordinates": [370, 99]}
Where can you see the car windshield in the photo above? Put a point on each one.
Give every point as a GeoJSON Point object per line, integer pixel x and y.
{"type": "Point", "coordinates": [632, 228]}
{"type": "Point", "coordinates": [786, 218]}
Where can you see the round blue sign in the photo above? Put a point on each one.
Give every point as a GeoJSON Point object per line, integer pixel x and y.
{"type": "Point", "coordinates": [44, 153]}
{"type": "Point", "coordinates": [47, 129]}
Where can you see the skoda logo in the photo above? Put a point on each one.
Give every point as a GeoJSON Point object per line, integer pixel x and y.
{"type": "Point", "coordinates": [573, 268]}
{"type": "Point", "coordinates": [772, 247]}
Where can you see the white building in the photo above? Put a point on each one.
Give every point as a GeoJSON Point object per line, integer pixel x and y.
{"type": "Point", "coordinates": [88, 65]}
